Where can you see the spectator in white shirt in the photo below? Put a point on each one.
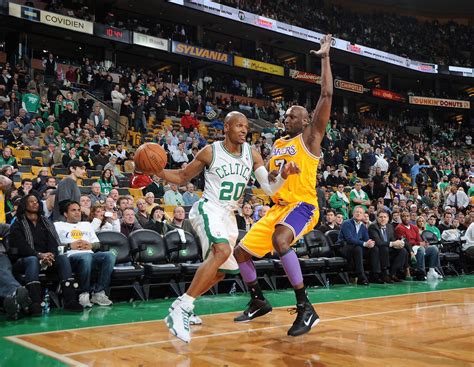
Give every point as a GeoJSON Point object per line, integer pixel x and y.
{"type": "Point", "coordinates": [179, 155]}
{"type": "Point", "coordinates": [173, 196]}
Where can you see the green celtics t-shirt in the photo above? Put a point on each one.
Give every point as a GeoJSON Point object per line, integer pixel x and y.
{"type": "Point", "coordinates": [31, 101]}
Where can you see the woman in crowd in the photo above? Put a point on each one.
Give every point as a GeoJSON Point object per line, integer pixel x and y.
{"type": "Point", "coordinates": [102, 220]}
{"type": "Point", "coordinates": [50, 136]}
{"type": "Point", "coordinates": [112, 165]}
{"type": "Point", "coordinates": [39, 183]}
{"type": "Point", "coordinates": [107, 181]}
{"type": "Point", "coordinates": [157, 222]}
{"type": "Point", "coordinates": [69, 156]}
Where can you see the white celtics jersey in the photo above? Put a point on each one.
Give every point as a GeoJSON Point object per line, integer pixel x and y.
{"type": "Point", "coordinates": [227, 176]}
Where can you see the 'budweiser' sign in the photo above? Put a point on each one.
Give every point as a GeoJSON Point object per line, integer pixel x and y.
{"type": "Point", "coordinates": [304, 76]}
{"type": "Point", "coordinates": [350, 87]}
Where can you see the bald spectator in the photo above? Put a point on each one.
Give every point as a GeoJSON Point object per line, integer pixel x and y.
{"type": "Point", "coordinates": [150, 202]}
{"type": "Point", "coordinates": [190, 197]}
{"type": "Point", "coordinates": [142, 214]}
{"type": "Point", "coordinates": [96, 195]}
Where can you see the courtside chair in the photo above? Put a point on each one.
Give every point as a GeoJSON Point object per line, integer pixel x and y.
{"type": "Point", "coordinates": [447, 258]}
{"type": "Point", "coordinates": [152, 253]}
{"type": "Point", "coordinates": [185, 254]}
{"type": "Point", "coordinates": [127, 273]}
{"type": "Point", "coordinates": [321, 246]}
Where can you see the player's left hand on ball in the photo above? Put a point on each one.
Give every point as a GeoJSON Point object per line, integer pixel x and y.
{"type": "Point", "coordinates": [290, 169]}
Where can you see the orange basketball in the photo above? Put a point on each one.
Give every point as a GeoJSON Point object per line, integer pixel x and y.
{"type": "Point", "coordinates": [150, 158]}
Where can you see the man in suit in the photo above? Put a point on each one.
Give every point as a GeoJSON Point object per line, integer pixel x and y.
{"type": "Point", "coordinates": [357, 245]}
{"type": "Point", "coordinates": [389, 247]}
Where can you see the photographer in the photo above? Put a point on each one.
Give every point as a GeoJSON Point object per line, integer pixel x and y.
{"type": "Point", "coordinates": [102, 220]}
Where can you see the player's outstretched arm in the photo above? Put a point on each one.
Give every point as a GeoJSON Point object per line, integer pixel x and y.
{"type": "Point", "coordinates": [322, 112]}
{"type": "Point", "coordinates": [184, 175]}
{"type": "Point", "coordinates": [273, 181]}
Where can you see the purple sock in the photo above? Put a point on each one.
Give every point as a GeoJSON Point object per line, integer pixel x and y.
{"type": "Point", "coordinates": [248, 272]}
{"type": "Point", "coordinates": [292, 268]}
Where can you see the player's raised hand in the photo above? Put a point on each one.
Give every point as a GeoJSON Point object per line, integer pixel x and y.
{"type": "Point", "coordinates": [272, 176]}
{"type": "Point", "coordinates": [325, 47]}
{"type": "Point", "coordinates": [290, 169]}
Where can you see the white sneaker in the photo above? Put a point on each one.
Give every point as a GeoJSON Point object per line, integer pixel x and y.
{"type": "Point", "coordinates": [101, 299]}
{"type": "Point", "coordinates": [84, 300]}
{"type": "Point", "coordinates": [193, 319]}
{"type": "Point", "coordinates": [433, 274]}
{"type": "Point", "coordinates": [178, 321]}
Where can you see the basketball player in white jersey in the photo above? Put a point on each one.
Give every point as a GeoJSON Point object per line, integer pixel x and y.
{"type": "Point", "coordinates": [227, 168]}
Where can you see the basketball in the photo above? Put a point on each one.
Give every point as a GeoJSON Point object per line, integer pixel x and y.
{"type": "Point", "coordinates": [150, 158]}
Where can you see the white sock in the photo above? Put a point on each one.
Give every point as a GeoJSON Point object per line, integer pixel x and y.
{"type": "Point", "coordinates": [432, 270]}
{"type": "Point", "coordinates": [187, 299]}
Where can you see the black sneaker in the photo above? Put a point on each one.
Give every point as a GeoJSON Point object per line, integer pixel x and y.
{"type": "Point", "coordinates": [16, 303]}
{"type": "Point", "coordinates": [305, 320]}
{"type": "Point", "coordinates": [255, 308]}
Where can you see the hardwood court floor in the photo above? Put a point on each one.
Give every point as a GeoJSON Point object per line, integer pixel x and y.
{"type": "Point", "coordinates": [424, 329]}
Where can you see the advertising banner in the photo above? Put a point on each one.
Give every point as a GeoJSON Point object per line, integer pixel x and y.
{"type": "Point", "coordinates": [387, 94]}
{"type": "Point", "coordinates": [150, 41]}
{"type": "Point", "coordinates": [439, 102]}
{"type": "Point", "coordinates": [304, 76]}
{"type": "Point", "coordinates": [52, 19]}
{"type": "Point", "coordinates": [201, 53]}
{"type": "Point", "coordinates": [258, 66]}
{"type": "Point", "coordinates": [302, 33]}
{"type": "Point", "coordinates": [348, 86]}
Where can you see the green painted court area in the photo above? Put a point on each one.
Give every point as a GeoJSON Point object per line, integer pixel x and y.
{"type": "Point", "coordinates": [13, 355]}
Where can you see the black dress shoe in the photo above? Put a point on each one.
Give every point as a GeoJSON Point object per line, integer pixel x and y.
{"type": "Point", "coordinates": [363, 281]}
{"type": "Point", "coordinates": [396, 279]}
{"type": "Point", "coordinates": [387, 279]}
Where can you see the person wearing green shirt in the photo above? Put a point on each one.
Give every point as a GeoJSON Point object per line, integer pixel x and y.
{"type": "Point", "coordinates": [31, 102]}
{"type": "Point", "coordinates": [107, 182]}
{"type": "Point", "coordinates": [443, 184]}
{"type": "Point", "coordinates": [431, 226]}
{"type": "Point", "coordinates": [359, 197]}
{"type": "Point", "coordinates": [470, 192]}
{"type": "Point", "coordinates": [339, 202]}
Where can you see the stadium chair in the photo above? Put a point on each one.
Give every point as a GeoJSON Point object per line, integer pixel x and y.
{"type": "Point", "coordinates": [319, 246]}
{"type": "Point", "coordinates": [129, 274]}
{"type": "Point", "coordinates": [447, 258]}
{"type": "Point", "coordinates": [136, 193]}
{"type": "Point", "coordinates": [186, 255]}
{"type": "Point", "coordinates": [93, 173]}
{"type": "Point", "coordinates": [24, 168]}
{"type": "Point", "coordinates": [153, 254]}
{"type": "Point", "coordinates": [85, 189]}
{"type": "Point", "coordinates": [31, 161]}
{"type": "Point", "coordinates": [21, 154]}
{"type": "Point", "coordinates": [88, 181]}
{"type": "Point", "coordinates": [60, 171]}
{"type": "Point", "coordinates": [122, 191]}
{"type": "Point", "coordinates": [265, 267]}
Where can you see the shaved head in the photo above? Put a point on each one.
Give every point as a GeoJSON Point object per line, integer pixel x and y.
{"type": "Point", "coordinates": [233, 116]}
{"type": "Point", "coordinates": [302, 111]}
{"type": "Point", "coordinates": [297, 117]}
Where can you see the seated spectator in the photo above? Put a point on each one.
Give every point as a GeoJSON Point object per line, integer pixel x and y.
{"type": "Point", "coordinates": [142, 215]}
{"type": "Point", "coordinates": [357, 245]}
{"type": "Point", "coordinates": [37, 242]}
{"type": "Point", "coordinates": [7, 171]}
{"type": "Point", "coordinates": [102, 220]}
{"type": "Point", "coordinates": [69, 156]}
{"type": "Point", "coordinates": [245, 221]}
{"type": "Point", "coordinates": [419, 250]}
{"type": "Point", "coordinates": [339, 202]}
{"type": "Point", "coordinates": [190, 197]}
{"type": "Point", "coordinates": [262, 211]}
{"type": "Point", "coordinates": [105, 127]}
{"type": "Point", "coordinates": [100, 160]}
{"type": "Point", "coordinates": [82, 248]}
{"type": "Point", "coordinates": [179, 221]}
{"type": "Point", "coordinates": [359, 197]}
{"type": "Point", "coordinates": [421, 224]}
{"type": "Point", "coordinates": [129, 163]}
{"type": "Point", "coordinates": [150, 201]}
{"type": "Point", "coordinates": [110, 204]}
{"type": "Point", "coordinates": [107, 181]}
{"type": "Point", "coordinates": [49, 196]}
{"type": "Point", "coordinates": [6, 158]}
{"type": "Point", "coordinates": [393, 255]}
{"type": "Point", "coordinates": [447, 222]}
{"type": "Point", "coordinates": [128, 223]}
{"type": "Point", "coordinates": [457, 198]}
{"type": "Point", "coordinates": [122, 204]}
{"type": "Point", "coordinates": [39, 183]}
{"type": "Point", "coordinates": [16, 299]}
{"type": "Point", "coordinates": [188, 121]}
{"type": "Point", "coordinates": [120, 153]}
{"type": "Point", "coordinates": [96, 194]}
{"type": "Point", "coordinates": [31, 140]}
{"type": "Point", "coordinates": [85, 207]}
{"type": "Point", "coordinates": [156, 187]}
{"type": "Point", "coordinates": [26, 187]}
{"type": "Point", "coordinates": [329, 222]}
{"type": "Point", "coordinates": [112, 166]}
{"type": "Point", "coordinates": [179, 156]}
{"type": "Point", "coordinates": [157, 221]}
{"type": "Point", "coordinates": [86, 158]}
{"type": "Point", "coordinates": [173, 196]}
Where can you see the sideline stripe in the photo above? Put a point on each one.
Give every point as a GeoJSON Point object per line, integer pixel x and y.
{"type": "Point", "coordinates": [260, 329]}
{"type": "Point", "coordinates": [231, 312]}
{"type": "Point", "coordinates": [60, 357]}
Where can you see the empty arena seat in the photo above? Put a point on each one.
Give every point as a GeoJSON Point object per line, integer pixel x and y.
{"type": "Point", "coordinates": [186, 254]}
{"type": "Point", "coordinates": [152, 252]}
{"type": "Point", "coordinates": [126, 272]}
